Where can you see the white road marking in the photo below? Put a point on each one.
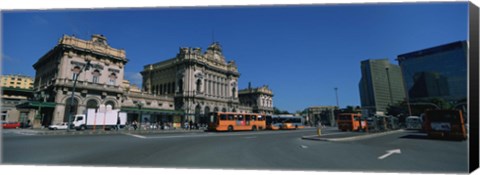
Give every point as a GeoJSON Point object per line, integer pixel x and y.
{"type": "Point", "coordinates": [252, 134]}
{"type": "Point", "coordinates": [304, 147]}
{"type": "Point", "coordinates": [390, 152]}
{"type": "Point", "coordinates": [325, 134]}
{"type": "Point", "coordinates": [137, 136]}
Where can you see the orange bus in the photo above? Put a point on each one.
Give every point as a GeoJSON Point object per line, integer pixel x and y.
{"type": "Point", "coordinates": [351, 122]}
{"type": "Point", "coordinates": [234, 121]}
{"type": "Point", "coordinates": [276, 122]}
{"type": "Point", "coordinates": [445, 124]}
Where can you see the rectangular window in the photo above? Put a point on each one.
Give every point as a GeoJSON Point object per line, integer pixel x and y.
{"type": "Point", "coordinates": [111, 82]}
{"type": "Point", "coordinates": [230, 117]}
{"type": "Point", "coordinates": [223, 117]}
{"type": "Point", "coordinates": [74, 76]}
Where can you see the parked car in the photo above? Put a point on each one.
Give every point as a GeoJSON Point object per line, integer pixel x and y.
{"type": "Point", "coordinates": [58, 126]}
{"type": "Point", "coordinates": [9, 125]}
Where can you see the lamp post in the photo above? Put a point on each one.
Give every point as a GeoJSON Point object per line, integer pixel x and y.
{"type": "Point", "coordinates": [39, 111]}
{"type": "Point", "coordinates": [75, 78]}
{"type": "Point", "coordinates": [139, 105]}
{"type": "Point", "coordinates": [336, 95]}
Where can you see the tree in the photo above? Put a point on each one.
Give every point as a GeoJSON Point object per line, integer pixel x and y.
{"type": "Point", "coordinates": [278, 111]}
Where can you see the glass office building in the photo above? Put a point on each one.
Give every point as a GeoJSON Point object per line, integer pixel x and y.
{"type": "Point", "coordinates": [437, 72]}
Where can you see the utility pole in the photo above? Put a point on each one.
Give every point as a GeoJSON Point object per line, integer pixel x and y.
{"type": "Point", "coordinates": [336, 95]}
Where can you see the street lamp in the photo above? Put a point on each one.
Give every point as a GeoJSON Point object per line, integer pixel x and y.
{"type": "Point", "coordinates": [139, 105]}
{"type": "Point", "coordinates": [39, 111]}
{"type": "Point", "coordinates": [75, 78]}
{"type": "Point", "coordinates": [336, 95]}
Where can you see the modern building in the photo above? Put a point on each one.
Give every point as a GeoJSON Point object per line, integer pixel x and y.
{"type": "Point", "coordinates": [259, 99]}
{"type": "Point", "coordinates": [201, 83]}
{"type": "Point", "coordinates": [16, 81]}
{"type": "Point", "coordinates": [438, 72]}
{"type": "Point", "coordinates": [324, 114]}
{"type": "Point", "coordinates": [99, 70]}
{"type": "Point", "coordinates": [381, 85]}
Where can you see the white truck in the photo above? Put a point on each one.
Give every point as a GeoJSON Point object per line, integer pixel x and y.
{"type": "Point", "coordinates": [104, 118]}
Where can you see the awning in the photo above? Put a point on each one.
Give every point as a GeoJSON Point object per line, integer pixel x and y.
{"type": "Point", "coordinates": [36, 104]}
{"type": "Point", "coordinates": [150, 111]}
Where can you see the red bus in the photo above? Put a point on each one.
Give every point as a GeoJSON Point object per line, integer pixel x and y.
{"type": "Point", "coordinates": [234, 121]}
{"type": "Point", "coordinates": [445, 124]}
{"type": "Point", "coordinates": [350, 122]}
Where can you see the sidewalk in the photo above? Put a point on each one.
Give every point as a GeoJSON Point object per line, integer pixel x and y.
{"type": "Point", "coordinates": [348, 136]}
{"type": "Point", "coordinates": [95, 132]}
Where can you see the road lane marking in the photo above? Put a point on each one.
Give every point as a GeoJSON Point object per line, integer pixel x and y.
{"type": "Point", "coordinates": [251, 137]}
{"type": "Point", "coordinates": [390, 152]}
{"type": "Point", "coordinates": [304, 147]}
{"type": "Point", "coordinates": [325, 134]}
{"type": "Point", "coordinates": [137, 136]}
{"type": "Point", "coordinates": [252, 134]}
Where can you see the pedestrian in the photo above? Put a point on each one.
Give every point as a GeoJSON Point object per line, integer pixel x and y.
{"type": "Point", "coordinates": [185, 125]}
{"type": "Point", "coordinates": [134, 124]}
{"type": "Point", "coordinates": [190, 123]}
{"type": "Point", "coordinates": [118, 123]}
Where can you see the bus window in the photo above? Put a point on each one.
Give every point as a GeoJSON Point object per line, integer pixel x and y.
{"type": "Point", "coordinates": [239, 120]}
{"type": "Point", "coordinates": [254, 117]}
{"type": "Point", "coordinates": [230, 117]}
{"type": "Point", "coordinates": [223, 117]}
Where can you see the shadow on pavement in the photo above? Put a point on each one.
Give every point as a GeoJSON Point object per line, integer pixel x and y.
{"type": "Point", "coordinates": [425, 137]}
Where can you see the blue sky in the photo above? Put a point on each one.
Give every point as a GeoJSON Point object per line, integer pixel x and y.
{"type": "Point", "coordinates": [302, 52]}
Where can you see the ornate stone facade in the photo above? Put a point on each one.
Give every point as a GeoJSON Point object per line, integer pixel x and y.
{"type": "Point", "coordinates": [199, 82]}
{"type": "Point", "coordinates": [259, 99]}
{"type": "Point", "coordinates": [102, 83]}
{"type": "Point", "coordinates": [191, 84]}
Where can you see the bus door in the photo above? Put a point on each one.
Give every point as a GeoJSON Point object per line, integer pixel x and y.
{"type": "Point", "coordinates": [240, 120]}
{"type": "Point", "coordinates": [247, 120]}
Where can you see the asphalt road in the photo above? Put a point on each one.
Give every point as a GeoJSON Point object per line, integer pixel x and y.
{"type": "Point", "coordinates": [262, 150]}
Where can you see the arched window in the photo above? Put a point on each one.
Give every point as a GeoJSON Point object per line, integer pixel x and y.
{"type": "Point", "coordinates": [69, 110]}
{"type": "Point", "coordinates": [197, 113]}
{"type": "Point", "coordinates": [110, 103]}
{"type": "Point", "coordinates": [112, 79]}
{"type": "Point", "coordinates": [233, 92]}
{"type": "Point", "coordinates": [224, 110]}
{"type": "Point", "coordinates": [75, 72]}
{"type": "Point", "coordinates": [95, 76]}
{"type": "Point", "coordinates": [92, 104]}
{"type": "Point", "coordinates": [199, 86]}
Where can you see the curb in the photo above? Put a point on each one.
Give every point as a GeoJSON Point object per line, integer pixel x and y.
{"type": "Point", "coordinates": [352, 138]}
{"type": "Point", "coordinates": [89, 132]}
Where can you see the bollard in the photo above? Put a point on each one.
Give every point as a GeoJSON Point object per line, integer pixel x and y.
{"type": "Point", "coordinates": [319, 131]}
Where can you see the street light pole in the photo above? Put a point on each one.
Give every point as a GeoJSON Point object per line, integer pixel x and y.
{"type": "Point", "coordinates": [75, 78]}
{"type": "Point", "coordinates": [140, 105]}
{"type": "Point", "coordinates": [336, 95]}
{"type": "Point", "coordinates": [39, 114]}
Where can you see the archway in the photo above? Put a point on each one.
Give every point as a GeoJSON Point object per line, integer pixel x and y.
{"type": "Point", "coordinates": [110, 103]}
{"type": "Point", "coordinates": [92, 104]}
